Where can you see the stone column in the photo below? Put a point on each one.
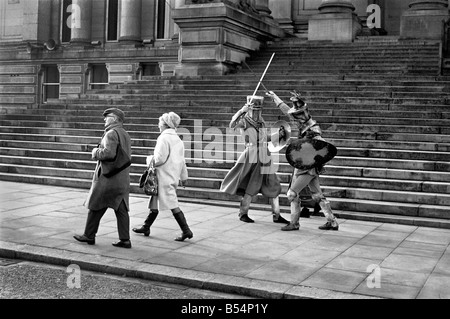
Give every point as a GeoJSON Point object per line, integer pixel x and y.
{"type": "Point", "coordinates": [262, 6]}
{"type": "Point", "coordinates": [215, 37]}
{"type": "Point", "coordinates": [81, 22]}
{"type": "Point", "coordinates": [282, 13]}
{"type": "Point", "coordinates": [336, 21]}
{"type": "Point", "coordinates": [424, 20]}
{"type": "Point", "coordinates": [36, 17]}
{"type": "Point", "coordinates": [55, 20]}
{"type": "Point", "coordinates": [130, 21]}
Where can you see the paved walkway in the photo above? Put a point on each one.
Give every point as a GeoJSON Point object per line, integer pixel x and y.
{"type": "Point", "coordinates": [361, 260]}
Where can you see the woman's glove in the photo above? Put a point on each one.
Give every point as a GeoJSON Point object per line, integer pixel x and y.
{"type": "Point", "coordinates": [245, 108]}
{"type": "Point", "coordinates": [94, 153]}
{"type": "Point", "coordinates": [183, 183]}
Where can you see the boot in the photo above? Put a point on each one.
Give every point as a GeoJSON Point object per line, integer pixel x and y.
{"type": "Point", "coordinates": [145, 229]}
{"type": "Point", "coordinates": [331, 223]}
{"type": "Point", "coordinates": [276, 217]}
{"type": "Point", "coordinates": [181, 220]}
{"type": "Point", "coordinates": [305, 213]}
{"type": "Point", "coordinates": [243, 209]}
{"type": "Point", "coordinates": [295, 216]}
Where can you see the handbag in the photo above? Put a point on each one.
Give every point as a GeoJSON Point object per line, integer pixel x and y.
{"type": "Point", "coordinates": [149, 179]}
{"type": "Point", "coordinates": [121, 161]}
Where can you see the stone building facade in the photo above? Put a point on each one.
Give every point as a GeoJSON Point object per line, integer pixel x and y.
{"type": "Point", "coordinates": [57, 48]}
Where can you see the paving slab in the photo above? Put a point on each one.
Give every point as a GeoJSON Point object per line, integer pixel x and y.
{"type": "Point", "coordinates": [364, 259]}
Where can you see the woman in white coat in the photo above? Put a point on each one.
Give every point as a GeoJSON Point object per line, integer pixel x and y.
{"type": "Point", "coordinates": [170, 164]}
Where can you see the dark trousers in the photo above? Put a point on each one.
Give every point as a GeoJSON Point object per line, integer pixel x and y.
{"type": "Point", "coordinates": [123, 222]}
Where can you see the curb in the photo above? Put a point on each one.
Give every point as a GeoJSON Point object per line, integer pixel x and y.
{"type": "Point", "coordinates": [195, 279]}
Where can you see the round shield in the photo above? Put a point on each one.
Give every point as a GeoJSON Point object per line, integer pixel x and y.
{"type": "Point", "coordinates": [276, 143]}
{"type": "Point", "coordinates": [308, 153]}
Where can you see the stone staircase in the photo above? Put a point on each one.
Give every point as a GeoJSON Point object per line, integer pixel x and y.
{"type": "Point", "coordinates": [381, 101]}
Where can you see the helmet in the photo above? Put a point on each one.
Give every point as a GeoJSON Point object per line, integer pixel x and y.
{"type": "Point", "coordinates": [299, 107]}
{"type": "Point", "coordinates": [255, 107]}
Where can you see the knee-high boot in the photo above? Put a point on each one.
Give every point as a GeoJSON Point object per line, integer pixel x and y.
{"type": "Point", "coordinates": [295, 216]}
{"type": "Point", "coordinates": [186, 232]}
{"type": "Point", "coordinates": [145, 229]}
{"type": "Point", "coordinates": [331, 219]}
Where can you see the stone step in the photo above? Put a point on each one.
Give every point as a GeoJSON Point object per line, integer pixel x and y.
{"type": "Point", "coordinates": [337, 66]}
{"type": "Point", "coordinates": [274, 86]}
{"type": "Point", "coordinates": [187, 100]}
{"type": "Point", "coordinates": [66, 150]}
{"type": "Point", "coordinates": [392, 208]}
{"type": "Point", "coordinates": [350, 51]}
{"type": "Point", "coordinates": [389, 118]}
{"type": "Point", "coordinates": [222, 119]}
{"type": "Point", "coordinates": [220, 168]}
{"type": "Point", "coordinates": [219, 114]}
{"type": "Point", "coordinates": [81, 143]}
{"type": "Point", "coordinates": [394, 219]}
{"type": "Point", "coordinates": [380, 182]}
{"type": "Point", "coordinates": [142, 124]}
{"type": "Point", "coordinates": [224, 106]}
{"type": "Point", "coordinates": [388, 208]}
{"type": "Point", "coordinates": [311, 93]}
{"type": "Point", "coordinates": [206, 132]}
{"type": "Point", "coordinates": [151, 141]}
{"type": "Point", "coordinates": [213, 180]}
{"type": "Point", "coordinates": [330, 133]}
{"type": "Point", "coordinates": [247, 79]}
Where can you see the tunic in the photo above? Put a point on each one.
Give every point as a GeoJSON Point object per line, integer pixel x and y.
{"type": "Point", "coordinates": [254, 172]}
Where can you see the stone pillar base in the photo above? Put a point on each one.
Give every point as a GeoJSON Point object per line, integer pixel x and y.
{"type": "Point", "coordinates": [424, 20]}
{"type": "Point", "coordinates": [215, 38]}
{"type": "Point", "coordinates": [341, 27]}
{"type": "Point", "coordinates": [335, 22]}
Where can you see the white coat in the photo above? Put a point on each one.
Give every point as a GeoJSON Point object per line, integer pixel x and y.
{"type": "Point", "coordinates": [170, 168]}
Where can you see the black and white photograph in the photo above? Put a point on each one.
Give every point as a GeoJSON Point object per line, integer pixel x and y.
{"type": "Point", "coordinates": [224, 158]}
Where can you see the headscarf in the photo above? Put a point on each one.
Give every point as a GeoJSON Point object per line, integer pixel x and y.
{"type": "Point", "coordinates": [171, 119]}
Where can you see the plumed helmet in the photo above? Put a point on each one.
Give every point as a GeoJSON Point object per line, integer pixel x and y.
{"type": "Point", "coordinates": [298, 104]}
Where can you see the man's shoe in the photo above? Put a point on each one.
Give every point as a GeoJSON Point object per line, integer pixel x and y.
{"type": "Point", "coordinates": [280, 220]}
{"type": "Point", "coordinates": [291, 227]}
{"type": "Point", "coordinates": [329, 226]}
{"type": "Point", "coordinates": [85, 239]}
{"type": "Point", "coordinates": [246, 219]}
{"type": "Point", "coordinates": [122, 244]}
{"type": "Point", "coordinates": [142, 230]}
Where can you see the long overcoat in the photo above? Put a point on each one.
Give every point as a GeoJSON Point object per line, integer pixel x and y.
{"type": "Point", "coordinates": [110, 192]}
{"type": "Point", "coordinates": [170, 168]}
{"type": "Point", "coordinates": [255, 170]}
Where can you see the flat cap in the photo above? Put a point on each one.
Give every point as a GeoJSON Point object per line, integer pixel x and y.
{"type": "Point", "coordinates": [115, 111]}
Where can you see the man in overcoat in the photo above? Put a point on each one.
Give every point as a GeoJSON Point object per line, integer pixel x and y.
{"type": "Point", "coordinates": [109, 192]}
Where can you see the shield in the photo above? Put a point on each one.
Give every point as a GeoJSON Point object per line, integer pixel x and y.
{"type": "Point", "coordinates": [276, 144]}
{"type": "Point", "coordinates": [308, 153]}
